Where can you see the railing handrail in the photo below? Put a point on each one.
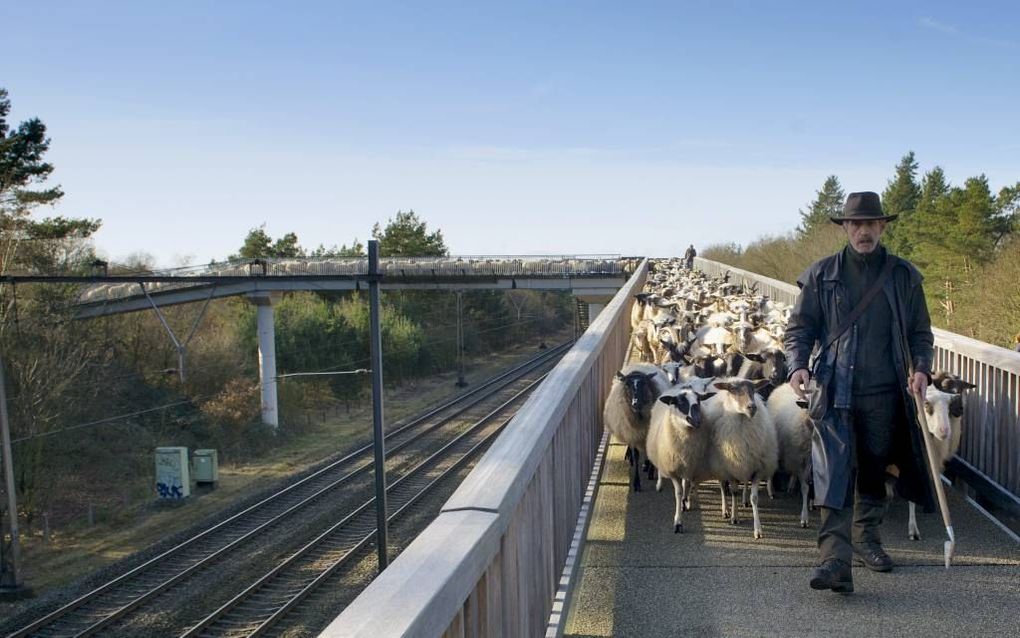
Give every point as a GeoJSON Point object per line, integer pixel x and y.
{"type": "Point", "coordinates": [422, 591]}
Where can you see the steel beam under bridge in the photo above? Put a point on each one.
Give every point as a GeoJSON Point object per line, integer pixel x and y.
{"type": "Point", "coordinates": [591, 287]}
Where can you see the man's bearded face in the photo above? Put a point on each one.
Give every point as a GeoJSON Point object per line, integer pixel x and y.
{"type": "Point", "coordinates": [864, 235]}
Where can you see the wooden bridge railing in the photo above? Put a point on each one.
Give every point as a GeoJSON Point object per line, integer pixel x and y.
{"type": "Point", "coordinates": [490, 562]}
{"type": "Point", "coordinates": [990, 444]}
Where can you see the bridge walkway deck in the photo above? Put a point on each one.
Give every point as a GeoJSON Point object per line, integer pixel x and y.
{"type": "Point", "coordinates": [637, 578]}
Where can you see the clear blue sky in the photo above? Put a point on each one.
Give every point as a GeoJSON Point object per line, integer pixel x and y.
{"type": "Point", "coordinates": [523, 127]}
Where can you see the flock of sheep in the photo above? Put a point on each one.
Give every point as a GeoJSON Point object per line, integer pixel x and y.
{"type": "Point", "coordinates": [705, 396]}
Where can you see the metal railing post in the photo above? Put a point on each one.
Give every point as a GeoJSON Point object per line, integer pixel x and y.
{"type": "Point", "coordinates": [375, 346]}
{"type": "Point", "coordinates": [10, 582]}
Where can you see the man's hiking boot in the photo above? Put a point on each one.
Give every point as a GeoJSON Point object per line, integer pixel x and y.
{"type": "Point", "coordinates": [833, 574]}
{"type": "Point", "coordinates": [874, 558]}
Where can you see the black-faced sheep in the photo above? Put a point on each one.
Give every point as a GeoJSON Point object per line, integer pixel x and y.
{"type": "Point", "coordinates": [628, 409]}
{"type": "Point", "coordinates": [677, 444]}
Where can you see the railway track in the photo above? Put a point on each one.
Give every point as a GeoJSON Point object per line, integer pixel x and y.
{"type": "Point", "coordinates": [115, 600]}
{"type": "Point", "coordinates": [258, 608]}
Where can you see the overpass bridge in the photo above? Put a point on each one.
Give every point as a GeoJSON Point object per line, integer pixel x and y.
{"type": "Point", "coordinates": [591, 279]}
{"type": "Point", "coordinates": [545, 538]}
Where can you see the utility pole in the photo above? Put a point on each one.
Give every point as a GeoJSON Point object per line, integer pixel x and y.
{"type": "Point", "coordinates": [460, 340]}
{"type": "Point", "coordinates": [375, 347]}
{"type": "Point", "coordinates": [11, 587]}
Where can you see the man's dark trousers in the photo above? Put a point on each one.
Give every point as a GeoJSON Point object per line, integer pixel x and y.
{"type": "Point", "coordinates": [874, 419]}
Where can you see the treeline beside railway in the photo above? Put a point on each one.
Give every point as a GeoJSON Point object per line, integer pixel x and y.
{"type": "Point", "coordinates": [89, 400]}
{"type": "Point", "coordinates": [964, 238]}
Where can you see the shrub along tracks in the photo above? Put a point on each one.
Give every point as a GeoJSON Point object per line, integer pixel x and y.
{"type": "Point", "coordinates": [441, 435]}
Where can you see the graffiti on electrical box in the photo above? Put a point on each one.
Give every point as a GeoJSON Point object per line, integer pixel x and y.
{"type": "Point", "coordinates": [169, 482]}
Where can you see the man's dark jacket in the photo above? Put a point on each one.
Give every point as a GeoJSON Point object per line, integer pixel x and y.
{"type": "Point", "coordinates": [822, 303]}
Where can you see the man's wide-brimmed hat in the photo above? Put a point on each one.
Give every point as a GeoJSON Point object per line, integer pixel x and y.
{"type": "Point", "coordinates": [863, 206]}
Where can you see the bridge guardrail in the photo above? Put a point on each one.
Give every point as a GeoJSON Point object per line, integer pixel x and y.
{"type": "Point", "coordinates": [990, 443]}
{"type": "Point", "coordinates": [490, 562]}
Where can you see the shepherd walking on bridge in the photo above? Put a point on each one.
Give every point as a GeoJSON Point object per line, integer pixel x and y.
{"type": "Point", "coordinates": [874, 350]}
{"type": "Point", "coordinates": [689, 256]}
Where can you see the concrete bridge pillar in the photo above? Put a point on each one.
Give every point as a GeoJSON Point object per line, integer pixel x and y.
{"type": "Point", "coordinates": [267, 355]}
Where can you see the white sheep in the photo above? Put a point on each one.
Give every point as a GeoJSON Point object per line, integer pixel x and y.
{"type": "Point", "coordinates": [793, 427]}
{"type": "Point", "coordinates": [943, 408]}
{"type": "Point", "coordinates": [628, 408]}
{"type": "Point", "coordinates": [677, 444]}
{"type": "Point", "coordinates": [744, 445]}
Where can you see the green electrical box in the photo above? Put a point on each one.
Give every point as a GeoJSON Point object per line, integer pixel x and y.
{"type": "Point", "coordinates": [206, 466]}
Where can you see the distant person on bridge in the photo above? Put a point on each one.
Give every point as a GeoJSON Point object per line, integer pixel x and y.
{"type": "Point", "coordinates": [689, 256]}
{"type": "Point", "coordinates": [865, 309]}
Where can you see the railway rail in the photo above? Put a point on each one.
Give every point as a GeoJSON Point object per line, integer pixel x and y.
{"type": "Point", "coordinates": [115, 600]}
{"type": "Point", "coordinates": [259, 607]}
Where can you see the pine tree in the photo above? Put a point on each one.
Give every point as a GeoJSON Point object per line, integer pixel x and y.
{"type": "Point", "coordinates": [900, 197]}
{"type": "Point", "coordinates": [922, 228]}
{"type": "Point", "coordinates": [829, 202]}
{"type": "Point", "coordinates": [407, 236]}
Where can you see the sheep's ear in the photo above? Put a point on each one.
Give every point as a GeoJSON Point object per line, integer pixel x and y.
{"type": "Point", "coordinates": [651, 375]}
{"type": "Point", "coordinates": [761, 384]}
{"type": "Point", "coordinates": [619, 375]}
{"type": "Point", "coordinates": [938, 378]}
{"type": "Point", "coordinates": [707, 395]}
{"type": "Point", "coordinates": [723, 385]}
{"type": "Point", "coordinates": [754, 356]}
{"type": "Point", "coordinates": [668, 399]}
{"type": "Point", "coordinates": [963, 385]}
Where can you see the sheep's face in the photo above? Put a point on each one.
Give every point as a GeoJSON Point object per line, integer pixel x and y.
{"type": "Point", "coordinates": [744, 333]}
{"type": "Point", "coordinates": [688, 403]}
{"type": "Point", "coordinates": [672, 370]}
{"type": "Point", "coordinates": [774, 367]}
{"type": "Point", "coordinates": [740, 394]}
{"type": "Point", "coordinates": [706, 366]}
{"type": "Point", "coordinates": [943, 411]}
{"type": "Point", "coordinates": [638, 388]}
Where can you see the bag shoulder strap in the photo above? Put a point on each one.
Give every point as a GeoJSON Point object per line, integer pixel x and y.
{"type": "Point", "coordinates": [862, 305]}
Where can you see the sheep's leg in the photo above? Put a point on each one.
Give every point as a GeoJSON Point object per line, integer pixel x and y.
{"type": "Point", "coordinates": [743, 496]}
{"type": "Point", "coordinates": [768, 488]}
{"type": "Point", "coordinates": [678, 495]}
{"type": "Point", "coordinates": [629, 455]}
{"type": "Point", "coordinates": [722, 497]}
{"type": "Point", "coordinates": [636, 479]}
{"type": "Point", "coordinates": [733, 506]}
{"type": "Point", "coordinates": [791, 484]}
{"type": "Point", "coordinates": [754, 508]}
{"type": "Point", "coordinates": [650, 470]}
{"type": "Point", "coordinates": [803, 503]}
{"type": "Point", "coordinates": [689, 489]}
{"type": "Point", "coordinates": [912, 531]}
{"type": "Point", "coordinates": [658, 483]}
